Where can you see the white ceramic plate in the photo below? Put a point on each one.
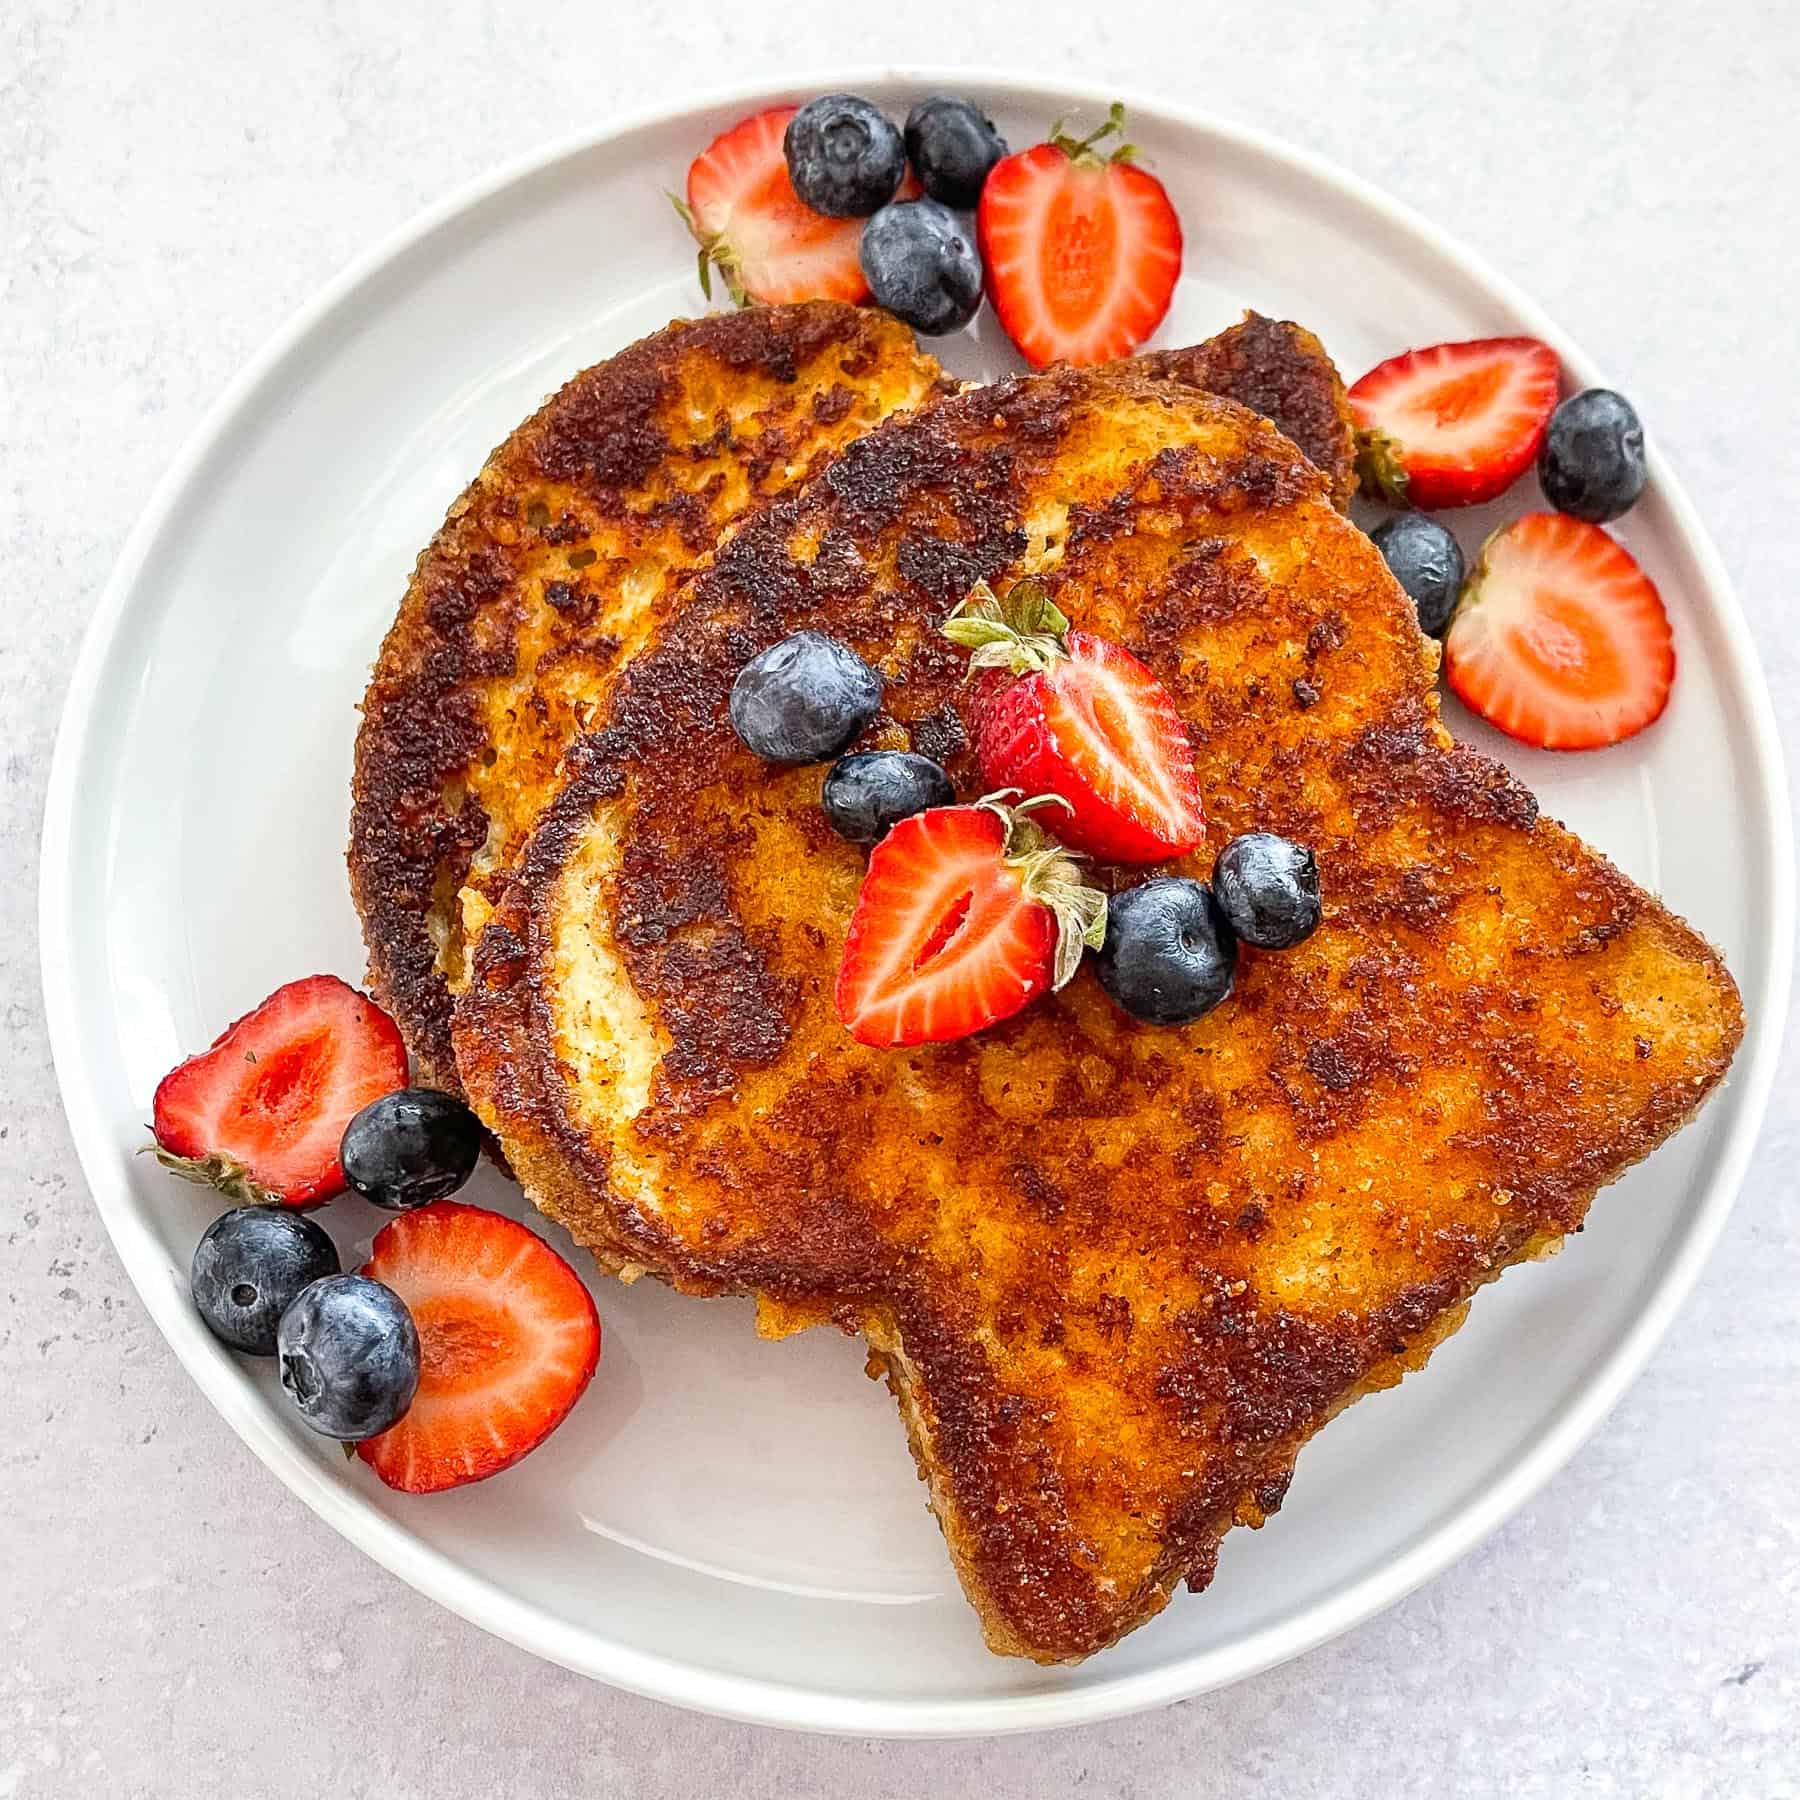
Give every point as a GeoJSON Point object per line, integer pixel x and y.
{"type": "Point", "coordinates": [725, 1523]}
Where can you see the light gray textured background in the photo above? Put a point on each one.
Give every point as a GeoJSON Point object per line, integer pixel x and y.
{"type": "Point", "coordinates": [175, 178]}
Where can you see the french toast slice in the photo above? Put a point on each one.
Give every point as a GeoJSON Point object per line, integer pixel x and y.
{"type": "Point", "coordinates": [548, 572]}
{"type": "Point", "coordinates": [1116, 1276]}
{"type": "Point", "coordinates": [552, 567]}
{"type": "Point", "coordinates": [1280, 370]}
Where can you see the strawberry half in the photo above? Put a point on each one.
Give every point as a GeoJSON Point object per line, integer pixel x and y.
{"type": "Point", "coordinates": [1082, 247]}
{"type": "Point", "coordinates": [1456, 424]}
{"type": "Point", "coordinates": [508, 1341]}
{"type": "Point", "coordinates": [1560, 639]}
{"type": "Point", "coordinates": [1085, 721]}
{"type": "Point", "coordinates": [752, 227]}
{"type": "Point", "coordinates": [260, 1115]}
{"type": "Point", "coordinates": [966, 913]}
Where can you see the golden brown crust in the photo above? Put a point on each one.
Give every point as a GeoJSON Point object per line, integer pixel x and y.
{"type": "Point", "coordinates": [549, 571]}
{"type": "Point", "coordinates": [552, 566]}
{"type": "Point", "coordinates": [1280, 370]}
{"type": "Point", "coordinates": [1118, 1276]}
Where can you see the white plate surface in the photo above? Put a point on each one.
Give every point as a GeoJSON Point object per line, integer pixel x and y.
{"type": "Point", "coordinates": [724, 1523]}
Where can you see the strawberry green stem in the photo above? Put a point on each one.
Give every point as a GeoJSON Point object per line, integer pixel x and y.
{"type": "Point", "coordinates": [218, 1171]}
{"type": "Point", "coordinates": [1085, 151]}
{"type": "Point", "coordinates": [1381, 467]}
{"type": "Point", "coordinates": [1050, 875]}
{"type": "Point", "coordinates": [1022, 634]}
{"type": "Point", "coordinates": [715, 253]}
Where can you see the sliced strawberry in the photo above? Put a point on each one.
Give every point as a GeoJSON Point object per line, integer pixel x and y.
{"type": "Point", "coordinates": [508, 1340]}
{"type": "Point", "coordinates": [1082, 248]}
{"type": "Point", "coordinates": [1456, 424]}
{"type": "Point", "coordinates": [1086, 721]}
{"type": "Point", "coordinates": [260, 1115]}
{"type": "Point", "coordinates": [756, 231]}
{"type": "Point", "coordinates": [966, 914]}
{"type": "Point", "coordinates": [1560, 638]}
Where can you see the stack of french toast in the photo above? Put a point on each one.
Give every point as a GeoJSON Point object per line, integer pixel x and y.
{"type": "Point", "coordinates": [1116, 1275]}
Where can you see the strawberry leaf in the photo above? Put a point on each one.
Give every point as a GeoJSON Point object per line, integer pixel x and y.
{"type": "Point", "coordinates": [1051, 875]}
{"type": "Point", "coordinates": [715, 253]}
{"type": "Point", "coordinates": [1086, 151]}
{"type": "Point", "coordinates": [230, 1178]}
{"type": "Point", "coordinates": [1022, 633]}
{"type": "Point", "coordinates": [1380, 467]}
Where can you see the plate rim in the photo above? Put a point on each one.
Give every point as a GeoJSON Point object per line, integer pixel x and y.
{"type": "Point", "coordinates": [743, 1698]}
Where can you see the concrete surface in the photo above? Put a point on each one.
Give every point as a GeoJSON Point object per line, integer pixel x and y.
{"type": "Point", "coordinates": [174, 178]}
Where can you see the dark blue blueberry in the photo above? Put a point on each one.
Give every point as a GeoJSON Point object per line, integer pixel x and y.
{"type": "Point", "coordinates": [868, 794]}
{"type": "Point", "coordinates": [1268, 889]}
{"type": "Point", "coordinates": [951, 146]}
{"type": "Point", "coordinates": [249, 1266]}
{"type": "Point", "coordinates": [1591, 464]}
{"type": "Point", "coordinates": [1428, 562]}
{"type": "Point", "coordinates": [410, 1148]}
{"type": "Point", "coordinates": [349, 1357]}
{"type": "Point", "coordinates": [844, 156]}
{"type": "Point", "coordinates": [1169, 955]}
{"type": "Point", "coordinates": [804, 699]}
{"type": "Point", "coordinates": [922, 265]}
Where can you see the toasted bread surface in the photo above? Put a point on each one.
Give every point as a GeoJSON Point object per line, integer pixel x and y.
{"type": "Point", "coordinates": [1280, 370]}
{"type": "Point", "coordinates": [551, 568]}
{"type": "Point", "coordinates": [1116, 1275]}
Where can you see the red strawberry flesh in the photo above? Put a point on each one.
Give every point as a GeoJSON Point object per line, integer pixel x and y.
{"type": "Point", "coordinates": [944, 939]}
{"type": "Point", "coordinates": [1560, 639]}
{"type": "Point", "coordinates": [1101, 732]}
{"type": "Point", "coordinates": [1455, 424]}
{"type": "Point", "coordinates": [1082, 249]}
{"type": "Point", "coordinates": [261, 1113]}
{"type": "Point", "coordinates": [768, 244]}
{"type": "Point", "coordinates": [508, 1341]}
{"type": "Point", "coordinates": [966, 914]}
{"type": "Point", "coordinates": [1082, 719]}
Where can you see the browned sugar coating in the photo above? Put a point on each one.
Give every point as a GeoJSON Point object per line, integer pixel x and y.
{"type": "Point", "coordinates": [1117, 1275]}
{"type": "Point", "coordinates": [554, 565]}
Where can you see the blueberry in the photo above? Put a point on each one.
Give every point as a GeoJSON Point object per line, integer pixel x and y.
{"type": "Point", "coordinates": [804, 699]}
{"type": "Point", "coordinates": [844, 157]}
{"type": "Point", "coordinates": [247, 1267]}
{"type": "Point", "coordinates": [951, 146]}
{"type": "Point", "coordinates": [922, 265]}
{"type": "Point", "coordinates": [1169, 955]}
{"type": "Point", "coordinates": [1268, 888]}
{"type": "Point", "coordinates": [410, 1148]}
{"type": "Point", "coordinates": [1591, 465]}
{"type": "Point", "coordinates": [868, 794]}
{"type": "Point", "coordinates": [349, 1356]}
{"type": "Point", "coordinates": [1428, 562]}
